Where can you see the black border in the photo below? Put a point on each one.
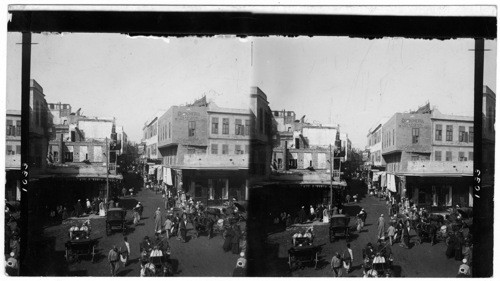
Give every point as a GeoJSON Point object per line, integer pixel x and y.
{"type": "Point", "coordinates": [254, 24]}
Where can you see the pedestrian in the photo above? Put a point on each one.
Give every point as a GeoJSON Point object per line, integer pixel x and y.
{"type": "Point", "coordinates": [78, 208]}
{"type": "Point", "coordinates": [168, 226]}
{"type": "Point", "coordinates": [361, 219]}
{"type": "Point", "coordinates": [131, 190]}
{"type": "Point", "coordinates": [102, 209]}
{"type": "Point", "coordinates": [235, 241]}
{"type": "Point", "coordinates": [326, 217]}
{"type": "Point", "coordinates": [405, 241]}
{"type": "Point", "coordinates": [137, 218]}
{"type": "Point", "coordinates": [391, 231]}
{"type": "Point", "coordinates": [141, 209]}
{"type": "Point", "coordinates": [125, 253]}
{"type": "Point", "coordinates": [113, 260]}
{"type": "Point", "coordinates": [336, 265]}
{"type": "Point", "coordinates": [158, 220]}
{"type": "Point", "coordinates": [89, 206]}
{"type": "Point", "coordinates": [348, 258]}
{"type": "Point", "coordinates": [228, 237]}
{"type": "Point", "coordinates": [183, 228]}
{"type": "Point", "coordinates": [302, 215]}
{"type": "Point", "coordinates": [348, 199]}
{"type": "Point", "coordinates": [124, 191]}
{"type": "Point", "coordinates": [381, 227]}
{"type": "Point", "coordinates": [311, 213]}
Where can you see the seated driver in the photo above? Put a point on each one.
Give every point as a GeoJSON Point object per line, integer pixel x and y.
{"type": "Point", "coordinates": [295, 236]}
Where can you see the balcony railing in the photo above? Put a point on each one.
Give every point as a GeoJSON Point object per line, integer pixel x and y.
{"type": "Point", "coordinates": [239, 161]}
{"type": "Point", "coordinates": [458, 167]}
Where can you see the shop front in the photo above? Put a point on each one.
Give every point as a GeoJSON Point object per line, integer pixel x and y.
{"type": "Point", "coordinates": [215, 187]}
{"type": "Point", "coordinates": [440, 193]}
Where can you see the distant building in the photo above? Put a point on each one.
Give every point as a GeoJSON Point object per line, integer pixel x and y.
{"type": "Point", "coordinates": [150, 138]}
{"type": "Point", "coordinates": [374, 147]}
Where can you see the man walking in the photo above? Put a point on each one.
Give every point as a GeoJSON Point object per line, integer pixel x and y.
{"type": "Point", "coordinates": [336, 265]}
{"type": "Point", "coordinates": [381, 227]}
{"type": "Point", "coordinates": [158, 220]}
{"type": "Point", "coordinates": [348, 258]}
{"type": "Point", "coordinates": [113, 259]}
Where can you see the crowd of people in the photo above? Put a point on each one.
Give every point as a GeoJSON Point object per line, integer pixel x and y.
{"type": "Point", "coordinates": [11, 245]}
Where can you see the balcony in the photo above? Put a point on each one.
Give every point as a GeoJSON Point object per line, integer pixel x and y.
{"type": "Point", "coordinates": [210, 161]}
{"type": "Point", "coordinates": [437, 168]}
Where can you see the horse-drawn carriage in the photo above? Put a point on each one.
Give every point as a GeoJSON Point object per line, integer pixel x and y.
{"type": "Point", "coordinates": [155, 261]}
{"type": "Point", "coordinates": [339, 226]}
{"type": "Point", "coordinates": [116, 219]}
{"type": "Point", "coordinates": [377, 264]}
{"type": "Point", "coordinates": [303, 252]}
{"type": "Point", "coordinates": [80, 244]}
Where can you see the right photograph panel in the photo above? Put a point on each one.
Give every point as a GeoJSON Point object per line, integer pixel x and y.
{"type": "Point", "coordinates": [362, 156]}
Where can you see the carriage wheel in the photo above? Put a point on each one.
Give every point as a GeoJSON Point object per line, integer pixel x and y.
{"type": "Point", "coordinates": [290, 262]}
{"type": "Point", "coordinates": [67, 255]}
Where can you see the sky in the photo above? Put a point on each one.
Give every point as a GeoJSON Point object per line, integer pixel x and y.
{"type": "Point", "coordinates": [332, 80]}
{"type": "Point", "coordinates": [357, 82]}
{"type": "Point", "coordinates": [129, 78]}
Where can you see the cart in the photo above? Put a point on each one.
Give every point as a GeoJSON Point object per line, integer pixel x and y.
{"type": "Point", "coordinates": [299, 256]}
{"type": "Point", "coordinates": [80, 245]}
{"type": "Point", "coordinates": [115, 219]}
{"type": "Point", "coordinates": [339, 226]}
{"type": "Point", "coordinates": [156, 263]}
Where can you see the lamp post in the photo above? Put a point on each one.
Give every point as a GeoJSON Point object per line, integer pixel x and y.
{"type": "Point", "coordinates": [331, 177]}
{"type": "Point", "coordinates": [107, 170]}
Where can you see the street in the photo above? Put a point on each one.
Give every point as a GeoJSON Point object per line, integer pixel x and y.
{"type": "Point", "coordinates": [197, 257]}
{"type": "Point", "coordinates": [421, 260]}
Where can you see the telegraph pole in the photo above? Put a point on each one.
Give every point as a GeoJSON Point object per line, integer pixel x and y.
{"type": "Point", "coordinates": [107, 170]}
{"type": "Point", "coordinates": [331, 177]}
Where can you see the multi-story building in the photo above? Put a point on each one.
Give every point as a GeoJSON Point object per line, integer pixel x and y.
{"type": "Point", "coordinates": [80, 151]}
{"type": "Point", "coordinates": [150, 138]}
{"type": "Point", "coordinates": [41, 129]}
{"type": "Point", "coordinates": [427, 157]}
{"type": "Point", "coordinates": [13, 155]}
{"type": "Point", "coordinates": [262, 130]}
{"type": "Point", "coordinates": [205, 151]}
{"type": "Point", "coordinates": [374, 146]}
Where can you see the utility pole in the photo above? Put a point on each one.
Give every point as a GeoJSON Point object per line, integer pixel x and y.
{"type": "Point", "coordinates": [331, 177]}
{"type": "Point", "coordinates": [107, 170]}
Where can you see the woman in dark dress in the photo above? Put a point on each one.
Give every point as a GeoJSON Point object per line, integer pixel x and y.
{"type": "Point", "coordinates": [235, 241]}
{"type": "Point", "coordinates": [228, 237]}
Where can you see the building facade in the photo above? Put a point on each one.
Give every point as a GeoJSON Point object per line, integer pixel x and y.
{"type": "Point", "coordinates": [205, 151]}
{"type": "Point", "coordinates": [13, 155]}
{"type": "Point", "coordinates": [262, 129]}
{"type": "Point", "coordinates": [427, 156]}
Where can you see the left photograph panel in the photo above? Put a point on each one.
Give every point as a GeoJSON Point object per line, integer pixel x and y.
{"type": "Point", "coordinates": [137, 159]}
